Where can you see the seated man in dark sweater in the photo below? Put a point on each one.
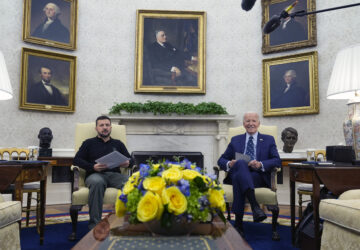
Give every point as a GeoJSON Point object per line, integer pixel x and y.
{"type": "Point", "coordinates": [99, 176]}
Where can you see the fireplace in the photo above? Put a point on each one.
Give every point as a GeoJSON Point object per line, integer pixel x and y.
{"type": "Point", "coordinates": [155, 156]}
{"type": "Point", "coordinates": [177, 133]}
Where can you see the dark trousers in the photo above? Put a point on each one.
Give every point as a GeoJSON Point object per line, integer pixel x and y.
{"type": "Point", "coordinates": [243, 178]}
{"type": "Point", "coordinates": [97, 184]}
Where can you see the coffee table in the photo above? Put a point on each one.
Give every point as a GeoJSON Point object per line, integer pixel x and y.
{"type": "Point", "coordinates": [219, 235]}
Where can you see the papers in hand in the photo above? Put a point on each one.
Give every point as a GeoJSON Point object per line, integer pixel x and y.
{"type": "Point", "coordinates": [112, 160]}
{"type": "Point", "coordinates": [239, 156]}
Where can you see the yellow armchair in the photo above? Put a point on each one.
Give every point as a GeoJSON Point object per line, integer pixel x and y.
{"type": "Point", "coordinates": [264, 196]}
{"type": "Point", "coordinates": [80, 192]}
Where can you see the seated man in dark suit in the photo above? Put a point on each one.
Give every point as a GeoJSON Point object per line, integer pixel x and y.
{"type": "Point", "coordinates": [44, 92]}
{"type": "Point", "coordinates": [245, 176]}
{"type": "Point", "coordinates": [164, 57]}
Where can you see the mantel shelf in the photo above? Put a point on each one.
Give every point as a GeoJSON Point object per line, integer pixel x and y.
{"type": "Point", "coordinates": [138, 116]}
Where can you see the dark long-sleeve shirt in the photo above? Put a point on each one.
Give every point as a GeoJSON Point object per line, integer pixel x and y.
{"type": "Point", "coordinates": [94, 148]}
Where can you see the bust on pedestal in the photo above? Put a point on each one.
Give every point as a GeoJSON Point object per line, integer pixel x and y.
{"type": "Point", "coordinates": [45, 136]}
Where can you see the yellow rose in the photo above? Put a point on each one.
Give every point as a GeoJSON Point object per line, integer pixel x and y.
{"type": "Point", "coordinates": [216, 198]}
{"type": "Point", "coordinates": [193, 166]}
{"type": "Point", "coordinates": [190, 174]}
{"type": "Point", "coordinates": [155, 184]}
{"type": "Point", "coordinates": [119, 206]}
{"type": "Point", "coordinates": [172, 165]}
{"type": "Point", "coordinates": [149, 207]}
{"type": "Point", "coordinates": [206, 179]}
{"type": "Point", "coordinates": [173, 174]}
{"type": "Point", "coordinates": [156, 166]}
{"type": "Point", "coordinates": [176, 201]}
{"type": "Point", "coordinates": [161, 206]}
{"type": "Point", "coordinates": [128, 187]}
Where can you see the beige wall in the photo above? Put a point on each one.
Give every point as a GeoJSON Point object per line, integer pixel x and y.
{"type": "Point", "coordinates": [105, 72]}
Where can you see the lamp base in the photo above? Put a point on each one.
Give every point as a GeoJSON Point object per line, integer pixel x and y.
{"type": "Point", "coordinates": [351, 127]}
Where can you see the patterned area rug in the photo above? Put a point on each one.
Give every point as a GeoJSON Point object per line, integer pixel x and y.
{"type": "Point", "coordinates": [282, 219]}
{"type": "Point", "coordinates": [84, 216]}
{"type": "Point", "coordinates": [60, 218]}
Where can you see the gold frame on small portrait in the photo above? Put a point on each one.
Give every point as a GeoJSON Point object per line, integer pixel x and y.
{"type": "Point", "coordinates": [63, 70]}
{"type": "Point", "coordinates": [306, 100]}
{"type": "Point", "coordinates": [34, 18]}
{"type": "Point", "coordinates": [277, 41]}
{"type": "Point", "coordinates": [185, 31]}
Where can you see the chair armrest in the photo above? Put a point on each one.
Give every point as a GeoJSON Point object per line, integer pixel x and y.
{"type": "Point", "coordinates": [75, 178]}
{"type": "Point", "coordinates": [217, 171]}
{"type": "Point", "coordinates": [274, 172]}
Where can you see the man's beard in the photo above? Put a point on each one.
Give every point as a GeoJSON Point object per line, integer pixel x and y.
{"type": "Point", "coordinates": [104, 135]}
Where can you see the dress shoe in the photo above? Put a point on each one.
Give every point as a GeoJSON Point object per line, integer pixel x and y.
{"type": "Point", "coordinates": [240, 230]}
{"type": "Point", "coordinates": [258, 214]}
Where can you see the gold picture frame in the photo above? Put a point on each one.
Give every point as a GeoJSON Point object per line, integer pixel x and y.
{"type": "Point", "coordinates": [290, 85]}
{"type": "Point", "coordinates": [47, 81]}
{"type": "Point", "coordinates": [170, 52]}
{"type": "Point", "coordinates": [51, 23]}
{"type": "Point", "coordinates": [298, 32]}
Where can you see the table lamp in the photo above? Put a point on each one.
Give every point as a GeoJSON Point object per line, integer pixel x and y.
{"type": "Point", "coordinates": [345, 84]}
{"type": "Point", "coordinates": [5, 86]}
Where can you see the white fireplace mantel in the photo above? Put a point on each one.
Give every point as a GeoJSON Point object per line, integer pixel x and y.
{"type": "Point", "coordinates": [213, 127]}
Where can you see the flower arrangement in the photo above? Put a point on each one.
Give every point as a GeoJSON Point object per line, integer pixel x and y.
{"type": "Point", "coordinates": [168, 192]}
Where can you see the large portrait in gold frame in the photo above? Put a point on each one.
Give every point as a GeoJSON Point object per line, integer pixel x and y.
{"type": "Point", "coordinates": [290, 85]}
{"type": "Point", "coordinates": [51, 23]}
{"type": "Point", "coordinates": [170, 52]}
{"type": "Point", "coordinates": [293, 33]}
{"type": "Point", "coordinates": [47, 81]}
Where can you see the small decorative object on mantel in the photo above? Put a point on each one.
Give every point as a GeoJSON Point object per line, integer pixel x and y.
{"type": "Point", "coordinates": [180, 108]}
{"type": "Point", "coordinates": [45, 136]}
{"type": "Point", "coordinates": [289, 136]}
{"type": "Point", "coordinates": [169, 197]}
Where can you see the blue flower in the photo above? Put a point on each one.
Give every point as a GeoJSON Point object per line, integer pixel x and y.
{"type": "Point", "coordinates": [123, 198]}
{"type": "Point", "coordinates": [186, 164]}
{"type": "Point", "coordinates": [140, 186]}
{"type": "Point", "coordinates": [212, 176]}
{"type": "Point", "coordinates": [144, 170]}
{"type": "Point", "coordinates": [184, 186]}
{"type": "Point", "coordinates": [204, 202]}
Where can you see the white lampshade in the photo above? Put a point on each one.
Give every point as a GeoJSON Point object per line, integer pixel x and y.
{"type": "Point", "coordinates": [345, 76]}
{"type": "Point", "coordinates": [5, 86]}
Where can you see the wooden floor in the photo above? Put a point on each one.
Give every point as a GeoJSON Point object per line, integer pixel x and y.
{"type": "Point", "coordinates": [56, 209]}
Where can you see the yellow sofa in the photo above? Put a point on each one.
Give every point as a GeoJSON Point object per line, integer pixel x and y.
{"type": "Point", "coordinates": [10, 215]}
{"type": "Point", "coordinates": [341, 221]}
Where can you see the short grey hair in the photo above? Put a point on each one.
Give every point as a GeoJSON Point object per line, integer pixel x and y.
{"type": "Point", "coordinates": [291, 72]}
{"type": "Point", "coordinates": [56, 8]}
{"type": "Point", "coordinates": [157, 31]}
{"type": "Point", "coordinates": [251, 112]}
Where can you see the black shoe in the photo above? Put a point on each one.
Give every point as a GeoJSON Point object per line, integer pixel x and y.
{"type": "Point", "coordinates": [240, 230]}
{"type": "Point", "coordinates": [258, 214]}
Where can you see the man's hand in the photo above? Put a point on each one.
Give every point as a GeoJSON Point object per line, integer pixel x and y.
{"type": "Point", "coordinates": [254, 164]}
{"type": "Point", "coordinates": [125, 164]}
{"type": "Point", "coordinates": [176, 70]}
{"type": "Point", "coordinates": [231, 163]}
{"type": "Point", "coordinates": [98, 167]}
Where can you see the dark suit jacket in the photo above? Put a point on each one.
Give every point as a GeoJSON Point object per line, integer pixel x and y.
{"type": "Point", "coordinates": [56, 32]}
{"type": "Point", "coordinates": [266, 152]}
{"type": "Point", "coordinates": [294, 97]}
{"type": "Point", "coordinates": [37, 93]}
{"type": "Point", "coordinates": [165, 57]}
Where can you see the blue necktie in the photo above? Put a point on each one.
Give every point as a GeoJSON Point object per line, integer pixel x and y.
{"type": "Point", "coordinates": [250, 148]}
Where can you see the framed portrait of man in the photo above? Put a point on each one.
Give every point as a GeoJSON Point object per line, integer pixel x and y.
{"type": "Point", "coordinates": [290, 85]}
{"type": "Point", "coordinates": [293, 33]}
{"type": "Point", "coordinates": [47, 81]}
{"type": "Point", "coordinates": [50, 23]}
{"type": "Point", "coordinates": [170, 52]}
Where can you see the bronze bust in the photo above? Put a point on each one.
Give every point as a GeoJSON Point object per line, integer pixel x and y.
{"type": "Point", "coordinates": [289, 136]}
{"type": "Point", "coordinates": [45, 136]}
